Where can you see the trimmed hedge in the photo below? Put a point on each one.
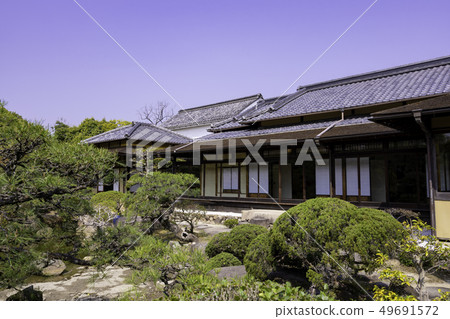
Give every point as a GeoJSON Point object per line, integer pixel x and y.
{"type": "Point", "coordinates": [223, 260]}
{"type": "Point", "coordinates": [235, 242]}
{"type": "Point", "coordinates": [259, 261]}
{"type": "Point", "coordinates": [350, 236]}
{"type": "Point", "coordinates": [217, 244]}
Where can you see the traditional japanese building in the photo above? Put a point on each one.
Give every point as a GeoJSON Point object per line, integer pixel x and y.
{"type": "Point", "coordinates": [382, 140]}
{"type": "Point", "coordinates": [131, 143]}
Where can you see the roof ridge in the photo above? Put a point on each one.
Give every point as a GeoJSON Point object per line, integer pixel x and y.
{"type": "Point", "coordinates": [107, 132]}
{"type": "Point", "coordinates": [158, 127]}
{"type": "Point", "coordinates": [381, 73]}
{"type": "Point", "coordinates": [223, 102]}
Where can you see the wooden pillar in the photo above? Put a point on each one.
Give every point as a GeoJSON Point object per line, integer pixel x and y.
{"type": "Point", "coordinates": [358, 161]}
{"type": "Point", "coordinates": [280, 188]}
{"type": "Point", "coordinates": [332, 173]}
{"type": "Point", "coordinates": [344, 178]}
{"type": "Point", "coordinates": [239, 180]}
{"type": "Point", "coordinates": [432, 176]}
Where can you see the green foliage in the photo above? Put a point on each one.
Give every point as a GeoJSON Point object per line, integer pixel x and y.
{"type": "Point", "coordinates": [223, 260]}
{"type": "Point", "coordinates": [210, 288]}
{"type": "Point", "coordinates": [109, 244]}
{"type": "Point", "coordinates": [369, 232]}
{"type": "Point", "coordinates": [156, 195]}
{"type": "Point", "coordinates": [217, 244]}
{"type": "Point", "coordinates": [231, 222]}
{"type": "Point", "coordinates": [39, 174]}
{"type": "Point", "coordinates": [189, 212]}
{"type": "Point", "coordinates": [258, 260]}
{"type": "Point", "coordinates": [111, 200]}
{"type": "Point", "coordinates": [235, 242]}
{"type": "Point", "coordinates": [383, 294]}
{"type": "Point", "coordinates": [88, 128]}
{"type": "Point", "coordinates": [325, 234]}
{"type": "Point", "coordinates": [426, 253]}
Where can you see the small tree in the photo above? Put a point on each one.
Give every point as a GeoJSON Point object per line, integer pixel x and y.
{"type": "Point", "coordinates": [154, 201]}
{"type": "Point", "coordinates": [189, 212]}
{"type": "Point", "coordinates": [426, 253]}
{"type": "Point", "coordinates": [156, 114]}
{"type": "Point", "coordinates": [107, 205]}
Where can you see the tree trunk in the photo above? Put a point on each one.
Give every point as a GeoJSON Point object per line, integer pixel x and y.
{"type": "Point", "coordinates": [421, 291]}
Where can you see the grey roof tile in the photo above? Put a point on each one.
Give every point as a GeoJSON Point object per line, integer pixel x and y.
{"type": "Point", "coordinates": [142, 132]}
{"type": "Point", "coordinates": [284, 129]}
{"type": "Point", "coordinates": [406, 82]}
{"type": "Point", "coordinates": [209, 114]}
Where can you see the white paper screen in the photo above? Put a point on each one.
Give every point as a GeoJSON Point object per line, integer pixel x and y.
{"type": "Point", "coordinates": [338, 175]}
{"type": "Point", "coordinates": [323, 179]}
{"type": "Point", "coordinates": [352, 176]}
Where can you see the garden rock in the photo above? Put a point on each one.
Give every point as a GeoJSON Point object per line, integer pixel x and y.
{"type": "Point", "coordinates": [55, 268]}
{"type": "Point", "coordinates": [185, 236]}
{"type": "Point", "coordinates": [265, 222]}
{"type": "Point", "coordinates": [174, 244]}
{"type": "Point", "coordinates": [28, 294]}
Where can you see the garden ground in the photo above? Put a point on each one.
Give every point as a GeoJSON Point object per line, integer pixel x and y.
{"type": "Point", "coordinates": [86, 283]}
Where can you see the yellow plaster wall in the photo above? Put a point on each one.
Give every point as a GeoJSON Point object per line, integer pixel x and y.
{"type": "Point", "coordinates": [442, 219]}
{"type": "Point", "coordinates": [210, 179]}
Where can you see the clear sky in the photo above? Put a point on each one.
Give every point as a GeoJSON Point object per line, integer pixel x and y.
{"type": "Point", "coordinates": [56, 63]}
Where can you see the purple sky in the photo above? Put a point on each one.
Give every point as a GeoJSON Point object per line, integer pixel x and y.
{"type": "Point", "coordinates": [56, 63]}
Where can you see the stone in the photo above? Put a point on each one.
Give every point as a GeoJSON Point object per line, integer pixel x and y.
{"type": "Point", "coordinates": [55, 268]}
{"type": "Point", "coordinates": [265, 222]}
{"type": "Point", "coordinates": [174, 244]}
{"type": "Point", "coordinates": [88, 258]}
{"type": "Point", "coordinates": [90, 297]}
{"type": "Point", "coordinates": [89, 231]}
{"type": "Point", "coordinates": [160, 285]}
{"type": "Point", "coordinates": [27, 294]}
{"type": "Point", "coordinates": [185, 236]}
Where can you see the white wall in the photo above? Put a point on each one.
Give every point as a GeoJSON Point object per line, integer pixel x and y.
{"type": "Point", "coordinates": [194, 132]}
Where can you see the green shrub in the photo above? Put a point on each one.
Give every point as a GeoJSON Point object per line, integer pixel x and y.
{"type": "Point", "coordinates": [112, 200]}
{"type": "Point", "coordinates": [241, 236]}
{"type": "Point", "coordinates": [235, 242]}
{"type": "Point", "coordinates": [217, 244]}
{"type": "Point", "coordinates": [259, 261]}
{"type": "Point", "coordinates": [210, 288]}
{"type": "Point", "coordinates": [223, 260]}
{"type": "Point", "coordinates": [230, 223]}
{"type": "Point", "coordinates": [370, 232]}
{"type": "Point", "coordinates": [338, 227]}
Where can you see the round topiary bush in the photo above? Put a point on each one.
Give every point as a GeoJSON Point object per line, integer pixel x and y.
{"type": "Point", "coordinates": [223, 260]}
{"type": "Point", "coordinates": [235, 242]}
{"type": "Point", "coordinates": [241, 236]}
{"type": "Point", "coordinates": [258, 260]}
{"type": "Point", "coordinates": [370, 232]}
{"type": "Point", "coordinates": [217, 244]}
{"type": "Point", "coordinates": [350, 237]}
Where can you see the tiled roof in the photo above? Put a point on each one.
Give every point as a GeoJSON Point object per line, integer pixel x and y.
{"type": "Point", "coordinates": [348, 128]}
{"type": "Point", "coordinates": [435, 103]}
{"type": "Point", "coordinates": [236, 121]}
{"type": "Point", "coordinates": [401, 83]}
{"type": "Point", "coordinates": [284, 129]}
{"type": "Point", "coordinates": [140, 132]}
{"type": "Point", "coordinates": [209, 114]}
